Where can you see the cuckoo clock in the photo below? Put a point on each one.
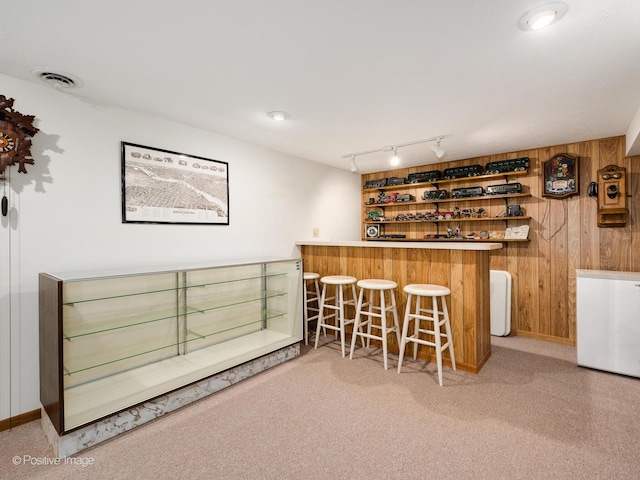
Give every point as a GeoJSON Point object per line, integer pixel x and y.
{"type": "Point", "coordinates": [16, 131]}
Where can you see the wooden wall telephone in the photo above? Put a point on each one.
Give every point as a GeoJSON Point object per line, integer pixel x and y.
{"type": "Point", "coordinates": [612, 196]}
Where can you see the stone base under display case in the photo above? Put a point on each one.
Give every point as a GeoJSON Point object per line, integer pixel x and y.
{"type": "Point", "coordinates": [95, 433]}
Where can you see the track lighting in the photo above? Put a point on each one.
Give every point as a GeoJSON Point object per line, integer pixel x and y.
{"type": "Point", "coordinates": [395, 160]}
{"type": "Point", "coordinates": [354, 167]}
{"type": "Point", "coordinates": [439, 151]}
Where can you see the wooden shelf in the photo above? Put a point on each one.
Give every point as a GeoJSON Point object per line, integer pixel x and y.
{"type": "Point", "coordinates": [485, 219]}
{"type": "Point", "coordinates": [404, 186]}
{"type": "Point", "coordinates": [448, 200]}
{"type": "Point", "coordinates": [494, 240]}
{"type": "Point", "coordinates": [451, 204]}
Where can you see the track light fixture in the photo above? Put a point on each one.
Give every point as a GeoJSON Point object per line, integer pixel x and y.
{"type": "Point", "coordinates": [439, 151]}
{"type": "Point", "coordinates": [395, 160]}
{"type": "Point", "coordinates": [354, 167]}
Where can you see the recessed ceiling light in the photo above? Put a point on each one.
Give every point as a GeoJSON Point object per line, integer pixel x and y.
{"type": "Point", "coordinates": [542, 16]}
{"type": "Point", "coordinates": [278, 116]}
{"type": "Point", "coordinates": [56, 79]}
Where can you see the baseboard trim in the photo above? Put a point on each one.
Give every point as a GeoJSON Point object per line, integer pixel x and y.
{"type": "Point", "coordinates": [12, 422]}
{"type": "Point", "coordinates": [547, 338]}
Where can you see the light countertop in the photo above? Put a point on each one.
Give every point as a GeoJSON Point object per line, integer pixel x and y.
{"type": "Point", "coordinates": [390, 244]}
{"type": "Point", "coordinates": [608, 275]}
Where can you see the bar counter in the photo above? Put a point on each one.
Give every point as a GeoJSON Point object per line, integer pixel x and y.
{"type": "Point", "coordinates": [461, 266]}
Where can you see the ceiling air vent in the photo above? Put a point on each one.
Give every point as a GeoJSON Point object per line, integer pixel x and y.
{"type": "Point", "coordinates": [55, 79]}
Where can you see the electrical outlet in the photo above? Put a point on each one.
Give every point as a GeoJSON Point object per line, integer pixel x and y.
{"type": "Point", "coordinates": [316, 232]}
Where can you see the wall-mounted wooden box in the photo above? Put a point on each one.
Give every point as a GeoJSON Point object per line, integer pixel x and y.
{"type": "Point", "coordinates": [612, 196]}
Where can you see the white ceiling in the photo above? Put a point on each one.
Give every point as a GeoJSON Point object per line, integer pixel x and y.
{"type": "Point", "coordinates": [354, 74]}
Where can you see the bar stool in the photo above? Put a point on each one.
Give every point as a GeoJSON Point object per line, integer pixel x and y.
{"type": "Point", "coordinates": [340, 282]}
{"type": "Point", "coordinates": [432, 314]}
{"type": "Point", "coordinates": [371, 286]}
{"type": "Point", "coordinates": [311, 296]}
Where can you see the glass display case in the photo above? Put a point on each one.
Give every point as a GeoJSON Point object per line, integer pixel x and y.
{"type": "Point", "coordinates": [112, 340]}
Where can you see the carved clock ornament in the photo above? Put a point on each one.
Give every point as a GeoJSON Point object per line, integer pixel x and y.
{"type": "Point", "coordinates": [15, 142]}
{"type": "Point", "coordinates": [15, 132]}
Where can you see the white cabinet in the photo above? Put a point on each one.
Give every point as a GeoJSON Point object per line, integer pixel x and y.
{"type": "Point", "coordinates": [608, 321]}
{"type": "Point", "coordinates": [109, 341]}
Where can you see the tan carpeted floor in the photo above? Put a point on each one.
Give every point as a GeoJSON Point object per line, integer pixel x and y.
{"type": "Point", "coordinates": [530, 413]}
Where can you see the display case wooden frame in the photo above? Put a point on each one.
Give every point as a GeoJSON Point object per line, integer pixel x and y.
{"type": "Point", "coordinates": [109, 341]}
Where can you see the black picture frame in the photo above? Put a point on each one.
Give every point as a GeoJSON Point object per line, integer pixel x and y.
{"type": "Point", "coordinates": [560, 176]}
{"type": "Point", "coordinates": [165, 187]}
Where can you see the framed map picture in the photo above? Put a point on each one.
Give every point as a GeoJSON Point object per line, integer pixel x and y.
{"type": "Point", "coordinates": [560, 176]}
{"type": "Point", "coordinates": [161, 186]}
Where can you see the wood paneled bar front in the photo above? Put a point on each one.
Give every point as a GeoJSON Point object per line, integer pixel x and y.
{"type": "Point", "coordinates": [461, 266]}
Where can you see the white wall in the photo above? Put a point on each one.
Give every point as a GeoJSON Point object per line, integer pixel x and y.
{"type": "Point", "coordinates": [65, 213]}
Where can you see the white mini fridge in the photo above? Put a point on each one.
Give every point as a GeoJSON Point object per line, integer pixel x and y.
{"type": "Point", "coordinates": [608, 321]}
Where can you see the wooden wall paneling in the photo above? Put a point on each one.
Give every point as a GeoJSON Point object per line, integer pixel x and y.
{"type": "Point", "coordinates": [483, 332]}
{"type": "Point", "coordinates": [513, 253]}
{"type": "Point", "coordinates": [308, 262]}
{"type": "Point", "coordinates": [544, 248]}
{"type": "Point", "coordinates": [626, 233]}
{"type": "Point", "coordinates": [440, 271]}
{"type": "Point", "coordinates": [366, 271]}
{"type": "Point", "coordinates": [574, 226]}
{"type": "Point", "coordinates": [525, 289]}
{"type": "Point", "coordinates": [633, 189]}
{"type": "Point", "coordinates": [332, 265]}
{"type": "Point", "coordinates": [456, 303]}
{"type": "Point", "coordinates": [317, 258]}
{"type": "Point", "coordinates": [355, 267]}
{"type": "Point", "coordinates": [399, 259]}
{"type": "Point", "coordinates": [418, 268]}
{"type": "Point", "coordinates": [558, 237]}
{"type": "Point", "coordinates": [377, 262]}
{"type": "Point", "coordinates": [589, 234]}
{"type": "Point", "coordinates": [439, 274]}
{"type": "Point", "coordinates": [343, 261]}
{"type": "Point", "coordinates": [474, 264]}
{"type": "Point", "coordinates": [415, 264]}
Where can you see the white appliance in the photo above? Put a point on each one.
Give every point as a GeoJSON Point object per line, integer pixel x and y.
{"type": "Point", "coordinates": [500, 292]}
{"type": "Point", "coordinates": [608, 321]}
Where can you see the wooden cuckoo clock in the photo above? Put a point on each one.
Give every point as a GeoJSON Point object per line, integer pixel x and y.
{"type": "Point", "coordinates": [16, 131]}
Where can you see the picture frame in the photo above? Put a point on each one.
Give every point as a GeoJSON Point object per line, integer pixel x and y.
{"type": "Point", "coordinates": [560, 177]}
{"type": "Point", "coordinates": [166, 187]}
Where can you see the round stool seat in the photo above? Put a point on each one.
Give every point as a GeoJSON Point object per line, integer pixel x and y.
{"type": "Point", "coordinates": [427, 290]}
{"type": "Point", "coordinates": [310, 275]}
{"type": "Point", "coordinates": [377, 284]}
{"type": "Point", "coordinates": [375, 316]}
{"type": "Point", "coordinates": [338, 279]}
